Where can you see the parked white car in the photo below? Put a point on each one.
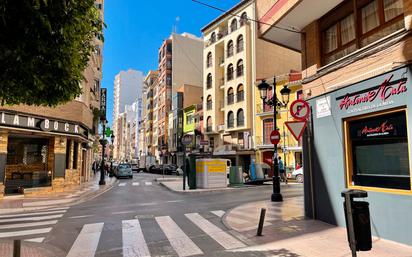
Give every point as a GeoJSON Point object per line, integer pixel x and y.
{"type": "Point", "coordinates": [298, 175]}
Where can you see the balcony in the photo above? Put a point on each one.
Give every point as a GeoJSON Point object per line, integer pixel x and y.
{"type": "Point", "coordinates": [230, 99]}
{"type": "Point", "coordinates": [239, 48]}
{"type": "Point", "coordinates": [209, 105]}
{"type": "Point", "coordinates": [230, 76]}
{"type": "Point", "coordinates": [221, 127]}
{"type": "Point", "coordinates": [240, 96]}
{"type": "Point", "coordinates": [264, 109]}
{"type": "Point", "coordinates": [239, 72]}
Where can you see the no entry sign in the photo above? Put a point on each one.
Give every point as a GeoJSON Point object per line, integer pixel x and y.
{"type": "Point", "coordinates": [275, 137]}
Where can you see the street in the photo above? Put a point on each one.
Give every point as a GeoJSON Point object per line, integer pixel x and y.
{"type": "Point", "coordinates": [139, 217]}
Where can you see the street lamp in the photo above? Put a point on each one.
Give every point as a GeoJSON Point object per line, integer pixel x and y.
{"type": "Point", "coordinates": [276, 104]}
{"type": "Point", "coordinates": [103, 142]}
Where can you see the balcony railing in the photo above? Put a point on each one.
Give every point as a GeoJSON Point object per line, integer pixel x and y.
{"type": "Point", "coordinates": [239, 72]}
{"type": "Point", "coordinates": [209, 105]}
{"type": "Point", "coordinates": [240, 96]}
{"type": "Point", "coordinates": [264, 108]}
{"type": "Point", "coordinates": [240, 122]}
{"type": "Point", "coordinates": [230, 99]}
{"type": "Point", "coordinates": [239, 48]}
{"type": "Point", "coordinates": [229, 75]}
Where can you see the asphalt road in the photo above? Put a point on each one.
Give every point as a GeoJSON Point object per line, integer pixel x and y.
{"type": "Point", "coordinates": [139, 217]}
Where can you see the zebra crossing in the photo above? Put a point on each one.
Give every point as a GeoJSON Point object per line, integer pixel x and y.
{"type": "Point", "coordinates": [30, 226]}
{"type": "Point", "coordinates": [143, 183]}
{"type": "Point", "coordinates": [135, 236]}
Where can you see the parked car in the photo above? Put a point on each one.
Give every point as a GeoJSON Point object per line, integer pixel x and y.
{"type": "Point", "coordinates": [123, 170]}
{"type": "Point", "coordinates": [298, 175]}
{"type": "Point", "coordinates": [169, 169]}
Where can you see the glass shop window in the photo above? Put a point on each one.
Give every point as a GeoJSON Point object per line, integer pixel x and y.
{"type": "Point", "coordinates": [378, 151]}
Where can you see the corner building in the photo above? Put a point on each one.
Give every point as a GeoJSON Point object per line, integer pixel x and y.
{"type": "Point", "coordinates": [357, 79]}
{"type": "Point", "coordinates": [234, 59]}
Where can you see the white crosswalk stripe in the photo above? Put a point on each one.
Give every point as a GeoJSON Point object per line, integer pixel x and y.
{"type": "Point", "coordinates": [148, 183]}
{"type": "Point", "coordinates": [223, 238]}
{"type": "Point", "coordinates": [122, 184]}
{"type": "Point", "coordinates": [30, 224]}
{"type": "Point", "coordinates": [87, 241]}
{"type": "Point", "coordinates": [180, 242]}
{"type": "Point", "coordinates": [135, 234]}
{"type": "Point", "coordinates": [136, 183]}
{"type": "Point", "coordinates": [134, 244]}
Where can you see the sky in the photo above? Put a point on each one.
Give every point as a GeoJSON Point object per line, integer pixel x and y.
{"type": "Point", "coordinates": [136, 28]}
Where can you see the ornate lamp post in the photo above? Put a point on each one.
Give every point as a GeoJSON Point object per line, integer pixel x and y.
{"type": "Point", "coordinates": [103, 142]}
{"type": "Point", "coordinates": [276, 104]}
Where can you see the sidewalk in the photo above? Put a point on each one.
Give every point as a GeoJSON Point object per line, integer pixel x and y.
{"type": "Point", "coordinates": [70, 196]}
{"type": "Point", "coordinates": [176, 185]}
{"type": "Point", "coordinates": [288, 233]}
{"type": "Point", "coordinates": [29, 249]}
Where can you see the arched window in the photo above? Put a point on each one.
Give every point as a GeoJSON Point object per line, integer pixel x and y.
{"type": "Point", "coordinates": [267, 129]}
{"type": "Point", "coordinates": [233, 25]}
{"type": "Point", "coordinates": [240, 93]}
{"type": "Point", "coordinates": [239, 68]}
{"type": "Point", "coordinates": [209, 81]}
{"type": "Point", "coordinates": [213, 37]}
{"type": "Point", "coordinates": [230, 96]}
{"type": "Point", "coordinates": [209, 102]}
{"type": "Point", "coordinates": [209, 60]}
{"type": "Point", "coordinates": [230, 120]}
{"type": "Point", "coordinates": [230, 48]}
{"type": "Point", "coordinates": [209, 124]}
{"type": "Point", "coordinates": [240, 118]}
{"type": "Point", "coordinates": [239, 44]}
{"type": "Point", "coordinates": [230, 71]}
{"type": "Point", "coordinates": [243, 19]}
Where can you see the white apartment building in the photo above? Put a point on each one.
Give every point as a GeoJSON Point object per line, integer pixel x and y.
{"type": "Point", "coordinates": [128, 86]}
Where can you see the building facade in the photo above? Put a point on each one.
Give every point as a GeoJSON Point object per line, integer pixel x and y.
{"type": "Point", "coordinates": [128, 88]}
{"type": "Point", "coordinates": [45, 149]}
{"type": "Point", "coordinates": [234, 58]}
{"type": "Point", "coordinates": [151, 82]}
{"type": "Point", "coordinates": [356, 77]}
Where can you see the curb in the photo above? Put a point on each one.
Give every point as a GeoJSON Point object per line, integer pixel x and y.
{"type": "Point", "coordinates": [229, 189]}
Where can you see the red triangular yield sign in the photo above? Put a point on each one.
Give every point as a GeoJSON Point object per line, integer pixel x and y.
{"type": "Point", "coordinates": [296, 128]}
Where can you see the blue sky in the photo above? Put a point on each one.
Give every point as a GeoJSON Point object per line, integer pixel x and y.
{"type": "Point", "coordinates": [136, 29]}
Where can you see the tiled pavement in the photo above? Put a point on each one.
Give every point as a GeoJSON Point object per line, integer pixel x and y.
{"type": "Point", "coordinates": [286, 230]}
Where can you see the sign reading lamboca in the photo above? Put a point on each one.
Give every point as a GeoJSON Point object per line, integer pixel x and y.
{"type": "Point", "coordinates": [41, 124]}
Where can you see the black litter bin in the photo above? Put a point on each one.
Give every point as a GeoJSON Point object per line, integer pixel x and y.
{"type": "Point", "coordinates": [361, 220]}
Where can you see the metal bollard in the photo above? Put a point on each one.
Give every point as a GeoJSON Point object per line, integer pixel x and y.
{"type": "Point", "coordinates": [16, 248]}
{"type": "Point", "coordinates": [261, 221]}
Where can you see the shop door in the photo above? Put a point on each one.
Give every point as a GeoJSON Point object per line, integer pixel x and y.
{"type": "Point", "coordinates": [267, 158]}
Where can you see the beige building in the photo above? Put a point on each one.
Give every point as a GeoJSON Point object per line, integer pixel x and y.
{"type": "Point", "coordinates": [148, 112]}
{"type": "Point", "coordinates": [46, 149]}
{"type": "Point", "coordinates": [234, 59]}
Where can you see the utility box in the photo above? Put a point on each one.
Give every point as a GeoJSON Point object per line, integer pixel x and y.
{"type": "Point", "coordinates": [211, 173]}
{"type": "Point", "coordinates": [236, 175]}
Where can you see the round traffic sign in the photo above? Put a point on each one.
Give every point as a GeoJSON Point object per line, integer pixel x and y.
{"type": "Point", "coordinates": [299, 109]}
{"type": "Point", "coordinates": [187, 139]}
{"type": "Point", "coordinates": [275, 137]}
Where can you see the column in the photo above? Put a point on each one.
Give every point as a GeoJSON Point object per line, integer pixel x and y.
{"type": "Point", "coordinates": [3, 160]}
{"type": "Point", "coordinates": [59, 171]}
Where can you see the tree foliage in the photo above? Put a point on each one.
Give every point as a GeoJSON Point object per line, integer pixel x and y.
{"type": "Point", "coordinates": [45, 46]}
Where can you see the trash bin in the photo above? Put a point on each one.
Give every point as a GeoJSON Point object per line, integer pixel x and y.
{"type": "Point", "coordinates": [236, 175]}
{"type": "Point", "coordinates": [360, 218]}
{"type": "Point", "coordinates": [191, 171]}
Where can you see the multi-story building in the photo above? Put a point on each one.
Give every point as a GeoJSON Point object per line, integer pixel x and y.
{"type": "Point", "coordinates": [133, 114]}
{"type": "Point", "coordinates": [357, 75]}
{"type": "Point", "coordinates": [128, 87]}
{"type": "Point", "coordinates": [151, 83]}
{"type": "Point", "coordinates": [180, 63]}
{"type": "Point", "coordinates": [288, 148]}
{"type": "Point", "coordinates": [234, 58]}
{"type": "Point", "coordinates": [44, 149]}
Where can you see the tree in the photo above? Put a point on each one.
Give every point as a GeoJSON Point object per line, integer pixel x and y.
{"type": "Point", "coordinates": [45, 46]}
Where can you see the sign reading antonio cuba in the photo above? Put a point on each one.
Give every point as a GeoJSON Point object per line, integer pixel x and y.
{"type": "Point", "coordinates": [41, 124]}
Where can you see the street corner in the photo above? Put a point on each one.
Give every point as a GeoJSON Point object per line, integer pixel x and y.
{"type": "Point", "coordinates": [29, 249]}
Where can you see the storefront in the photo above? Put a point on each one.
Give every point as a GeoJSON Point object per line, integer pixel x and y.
{"type": "Point", "coordinates": [359, 138]}
{"type": "Point", "coordinates": [41, 154]}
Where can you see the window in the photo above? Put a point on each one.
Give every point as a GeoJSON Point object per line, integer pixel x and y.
{"type": "Point", "coordinates": [240, 117]}
{"type": "Point", "coordinates": [343, 33]}
{"type": "Point", "coordinates": [68, 148]}
{"type": "Point", "coordinates": [169, 80]}
{"type": "Point", "coordinates": [230, 120]}
{"type": "Point", "coordinates": [230, 96]}
{"type": "Point", "coordinates": [243, 19]}
{"type": "Point", "coordinates": [75, 154]}
{"type": "Point", "coordinates": [169, 48]}
{"type": "Point", "coordinates": [209, 102]}
{"type": "Point", "coordinates": [209, 81]}
{"type": "Point", "coordinates": [209, 60]}
{"type": "Point", "coordinates": [233, 25]}
{"type": "Point", "coordinates": [240, 93]}
{"type": "Point", "coordinates": [239, 44]}
{"type": "Point", "coordinates": [230, 71]}
{"type": "Point", "coordinates": [209, 124]}
{"type": "Point", "coordinates": [96, 86]}
{"type": "Point", "coordinates": [213, 37]}
{"type": "Point", "coordinates": [267, 129]}
{"type": "Point", "coordinates": [230, 48]}
{"type": "Point", "coordinates": [378, 151]}
{"type": "Point", "coordinates": [239, 68]}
